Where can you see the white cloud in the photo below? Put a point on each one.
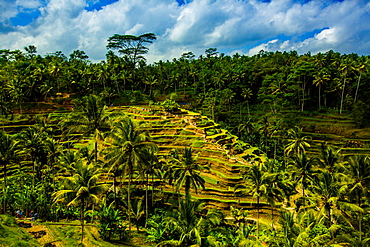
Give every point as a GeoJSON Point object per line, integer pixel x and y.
{"type": "Point", "coordinates": [29, 4]}
{"type": "Point", "coordinates": [265, 46]}
{"type": "Point", "coordinates": [229, 25]}
{"type": "Point", "coordinates": [8, 10]}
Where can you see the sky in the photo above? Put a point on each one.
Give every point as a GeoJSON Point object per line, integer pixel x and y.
{"type": "Point", "coordinates": [232, 26]}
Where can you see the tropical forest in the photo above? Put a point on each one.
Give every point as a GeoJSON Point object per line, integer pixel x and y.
{"type": "Point", "coordinates": [211, 150]}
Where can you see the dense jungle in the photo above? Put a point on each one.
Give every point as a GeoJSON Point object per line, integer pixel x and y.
{"type": "Point", "coordinates": [215, 150]}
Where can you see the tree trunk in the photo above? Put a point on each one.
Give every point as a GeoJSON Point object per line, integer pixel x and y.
{"type": "Point", "coordinates": [129, 204]}
{"type": "Point", "coordinates": [82, 216]}
{"type": "Point", "coordinates": [96, 149]}
{"type": "Point", "coordinates": [358, 85]}
{"type": "Point", "coordinates": [152, 189]}
{"type": "Point", "coordinates": [359, 219]}
{"type": "Point", "coordinates": [272, 218]}
{"type": "Point", "coordinates": [4, 190]}
{"type": "Point", "coordinates": [258, 217]}
{"type": "Point", "coordinates": [115, 192]}
{"type": "Point", "coordinates": [319, 96]}
{"type": "Point", "coordinates": [146, 199]}
{"type": "Point", "coordinates": [342, 98]}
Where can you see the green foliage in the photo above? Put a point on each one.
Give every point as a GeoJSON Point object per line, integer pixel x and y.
{"type": "Point", "coordinates": [360, 113]}
{"type": "Point", "coordinates": [260, 97]}
{"type": "Point", "coordinates": [169, 105]}
{"type": "Point", "coordinates": [111, 224]}
{"type": "Point", "coordinates": [157, 230]}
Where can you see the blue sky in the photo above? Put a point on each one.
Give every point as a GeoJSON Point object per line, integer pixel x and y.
{"type": "Point", "coordinates": [242, 26]}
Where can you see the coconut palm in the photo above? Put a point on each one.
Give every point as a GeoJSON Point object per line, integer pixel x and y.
{"type": "Point", "coordinates": [326, 192]}
{"type": "Point", "coordinates": [187, 223]}
{"type": "Point", "coordinates": [330, 158]}
{"type": "Point", "coordinates": [302, 170]}
{"type": "Point", "coordinates": [297, 143]}
{"type": "Point", "coordinates": [186, 171]}
{"type": "Point", "coordinates": [90, 117]}
{"type": "Point", "coordinates": [361, 69]}
{"type": "Point", "coordinates": [321, 78]}
{"type": "Point", "coordinates": [289, 228]}
{"type": "Point", "coordinates": [149, 169]}
{"type": "Point", "coordinates": [128, 148]}
{"type": "Point", "coordinates": [53, 149]}
{"type": "Point", "coordinates": [81, 188]}
{"type": "Point", "coordinates": [9, 152]}
{"type": "Point", "coordinates": [358, 175]}
{"type": "Point", "coordinates": [257, 184]}
{"type": "Point", "coordinates": [33, 142]}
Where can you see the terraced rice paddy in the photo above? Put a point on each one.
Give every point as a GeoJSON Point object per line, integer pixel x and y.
{"type": "Point", "coordinates": [213, 145]}
{"type": "Point", "coordinates": [216, 152]}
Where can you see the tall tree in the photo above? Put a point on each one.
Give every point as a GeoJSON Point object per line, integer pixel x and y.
{"type": "Point", "coordinates": [89, 117]}
{"type": "Point", "coordinates": [302, 170]}
{"type": "Point", "coordinates": [358, 175]}
{"type": "Point", "coordinates": [185, 171]}
{"type": "Point", "coordinates": [128, 148]}
{"type": "Point", "coordinates": [257, 184]}
{"type": "Point", "coordinates": [297, 142]}
{"type": "Point", "coordinates": [131, 46]}
{"type": "Point", "coordinates": [33, 142]}
{"type": "Point", "coordinates": [81, 188]}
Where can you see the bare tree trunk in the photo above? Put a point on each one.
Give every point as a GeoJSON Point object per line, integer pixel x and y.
{"type": "Point", "coordinates": [82, 218]}
{"type": "Point", "coordinates": [4, 190]}
{"type": "Point", "coordinates": [129, 204]}
{"type": "Point", "coordinates": [258, 217]}
{"type": "Point", "coordinates": [115, 191]}
{"type": "Point", "coordinates": [146, 199]}
{"type": "Point", "coordinates": [358, 85]}
{"type": "Point", "coordinates": [342, 98]}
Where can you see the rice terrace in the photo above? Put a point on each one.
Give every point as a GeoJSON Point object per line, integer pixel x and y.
{"type": "Point", "coordinates": [264, 150]}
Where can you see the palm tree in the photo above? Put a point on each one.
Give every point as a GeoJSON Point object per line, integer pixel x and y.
{"type": "Point", "coordinates": [302, 169]}
{"type": "Point", "coordinates": [149, 168]}
{"type": "Point", "coordinates": [81, 188]}
{"type": "Point", "coordinates": [345, 70]}
{"type": "Point", "coordinates": [53, 149]}
{"type": "Point", "coordinates": [186, 222]}
{"type": "Point", "coordinates": [257, 183]}
{"type": "Point", "coordinates": [297, 143]}
{"type": "Point", "coordinates": [185, 170]}
{"type": "Point", "coordinates": [326, 192]}
{"type": "Point", "coordinates": [89, 117]}
{"type": "Point", "coordinates": [33, 142]}
{"type": "Point", "coordinates": [358, 172]}
{"type": "Point", "coordinates": [329, 158]}
{"type": "Point", "coordinates": [9, 152]}
{"type": "Point", "coordinates": [361, 69]}
{"type": "Point", "coordinates": [321, 78]}
{"type": "Point", "coordinates": [128, 148]}
{"type": "Point", "coordinates": [358, 175]}
{"type": "Point", "coordinates": [290, 231]}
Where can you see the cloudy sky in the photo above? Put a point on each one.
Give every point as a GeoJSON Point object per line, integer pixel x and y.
{"type": "Point", "coordinates": [243, 26]}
